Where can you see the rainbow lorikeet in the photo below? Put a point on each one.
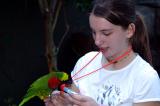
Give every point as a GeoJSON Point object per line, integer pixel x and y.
{"type": "Point", "coordinates": [44, 85]}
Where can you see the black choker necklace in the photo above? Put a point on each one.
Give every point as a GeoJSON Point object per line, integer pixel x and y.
{"type": "Point", "coordinates": [122, 57]}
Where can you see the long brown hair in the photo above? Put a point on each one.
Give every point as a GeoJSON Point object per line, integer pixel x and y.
{"type": "Point", "coordinates": [122, 13]}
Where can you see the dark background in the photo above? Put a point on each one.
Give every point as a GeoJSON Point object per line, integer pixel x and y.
{"type": "Point", "coordinates": [22, 43]}
{"type": "Point", "coordinates": [22, 48]}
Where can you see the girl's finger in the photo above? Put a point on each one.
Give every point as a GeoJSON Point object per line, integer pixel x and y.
{"type": "Point", "coordinates": [47, 102]}
{"type": "Point", "coordinates": [71, 99]}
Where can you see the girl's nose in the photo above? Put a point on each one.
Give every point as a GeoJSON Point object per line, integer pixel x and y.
{"type": "Point", "coordinates": [98, 40]}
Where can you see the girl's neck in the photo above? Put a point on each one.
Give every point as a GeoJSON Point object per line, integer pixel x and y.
{"type": "Point", "coordinates": [121, 62]}
{"type": "Point", "coordinates": [124, 61]}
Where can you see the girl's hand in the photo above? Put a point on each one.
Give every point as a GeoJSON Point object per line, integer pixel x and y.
{"type": "Point", "coordinates": [80, 100]}
{"type": "Point", "coordinates": [57, 98]}
{"type": "Point", "coordinates": [48, 102]}
{"type": "Point", "coordinates": [60, 98]}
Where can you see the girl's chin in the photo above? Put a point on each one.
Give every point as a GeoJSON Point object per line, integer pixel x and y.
{"type": "Point", "coordinates": [106, 54]}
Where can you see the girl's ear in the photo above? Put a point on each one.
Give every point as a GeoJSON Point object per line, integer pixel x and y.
{"type": "Point", "coordinates": [131, 30]}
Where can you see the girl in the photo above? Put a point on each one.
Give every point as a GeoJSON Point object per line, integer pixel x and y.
{"type": "Point", "coordinates": [120, 74]}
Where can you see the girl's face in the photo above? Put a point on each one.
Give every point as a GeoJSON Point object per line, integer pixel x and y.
{"type": "Point", "coordinates": [112, 39]}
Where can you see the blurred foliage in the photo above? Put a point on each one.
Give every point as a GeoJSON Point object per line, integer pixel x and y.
{"type": "Point", "coordinates": [83, 5]}
{"type": "Point", "coordinates": [9, 101]}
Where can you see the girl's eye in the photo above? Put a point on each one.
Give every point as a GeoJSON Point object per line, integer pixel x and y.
{"type": "Point", "coordinates": [106, 34]}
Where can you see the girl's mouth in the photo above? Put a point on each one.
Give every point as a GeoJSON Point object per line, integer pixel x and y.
{"type": "Point", "coordinates": [102, 49]}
